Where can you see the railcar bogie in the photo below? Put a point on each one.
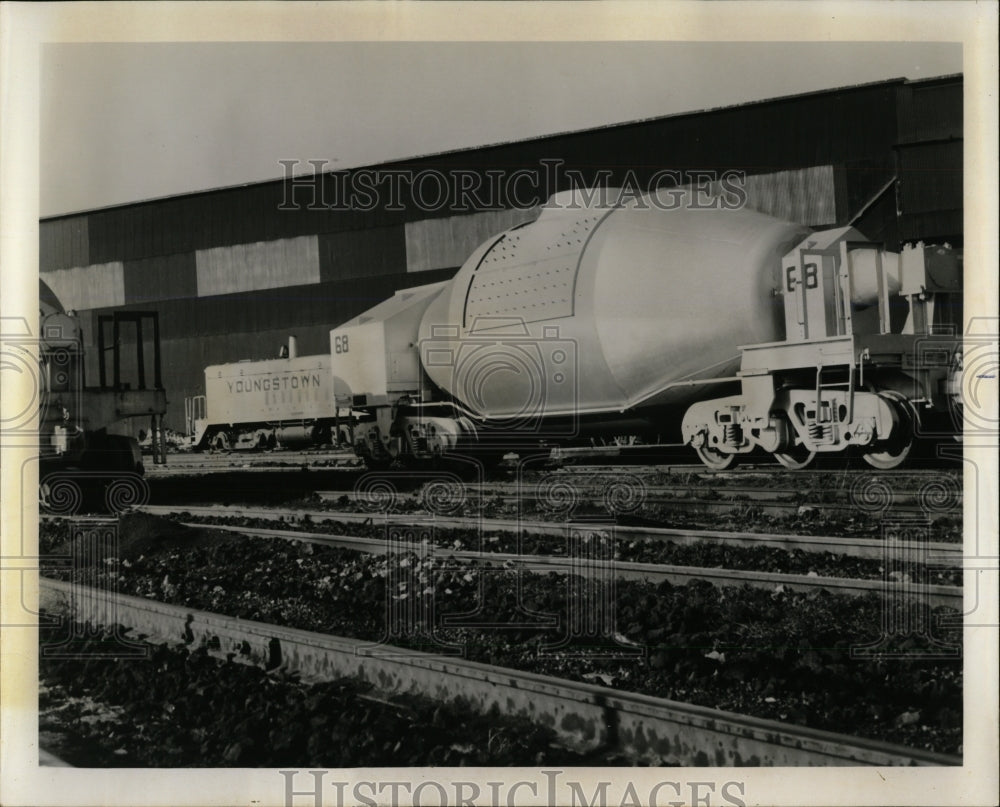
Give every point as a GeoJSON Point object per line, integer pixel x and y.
{"type": "Point", "coordinates": [856, 369]}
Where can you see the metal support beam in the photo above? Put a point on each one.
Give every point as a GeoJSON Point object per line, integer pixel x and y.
{"type": "Point", "coordinates": [116, 355]}
{"type": "Point", "coordinates": [140, 358]}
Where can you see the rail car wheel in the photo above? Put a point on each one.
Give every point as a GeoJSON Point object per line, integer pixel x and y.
{"type": "Point", "coordinates": [798, 455]}
{"type": "Point", "coordinates": [895, 450]}
{"type": "Point", "coordinates": [798, 458]}
{"type": "Point", "coordinates": [221, 442]}
{"type": "Point", "coordinates": [715, 459]}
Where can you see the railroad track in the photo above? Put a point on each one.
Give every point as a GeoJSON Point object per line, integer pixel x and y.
{"type": "Point", "coordinates": [187, 464]}
{"type": "Point", "coordinates": [766, 504]}
{"type": "Point", "coordinates": [273, 460]}
{"type": "Point", "coordinates": [935, 552]}
{"type": "Point", "coordinates": [933, 595]}
{"type": "Point", "coordinates": [949, 492]}
{"type": "Point", "coordinates": [586, 716]}
{"type": "Point", "coordinates": [744, 469]}
{"type": "Point", "coordinates": [171, 472]}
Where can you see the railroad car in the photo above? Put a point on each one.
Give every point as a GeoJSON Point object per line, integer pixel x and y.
{"type": "Point", "coordinates": [84, 430]}
{"type": "Point", "coordinates": [727, 329]}
{"type": "Point", "coordinates": [286, 402]}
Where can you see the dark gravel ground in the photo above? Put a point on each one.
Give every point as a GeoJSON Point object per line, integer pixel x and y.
{"type": "Point", "coordinates": [775, 654]}
{"type": "Point", "coordinates": [181, 707]}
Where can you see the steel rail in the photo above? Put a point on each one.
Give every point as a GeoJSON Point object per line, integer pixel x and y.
{"type": "Point", "coordinates": [715, 492]}
{"type": "Point", "coordinates": [250, 459]}
{"type": "Point", "coordinates": [935, 552]}
{"type": "Point", "coordinates": [158, 471]}
{"type": "Point", "coordinates": [767, 470]}
{"type": "Point", "coordinates": [174, 472]}
{"type": "Point", "coordinates": [585, 716]}
{"type": "Point", "coordinates": [933, 595]}
{"type": "Point", "coordinates": [185, 464]}
{"type": "Point", "coordinates": [699, 505]}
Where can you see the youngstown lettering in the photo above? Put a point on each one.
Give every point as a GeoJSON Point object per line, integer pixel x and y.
{"type": "Point", "coordinates": [274, 384]}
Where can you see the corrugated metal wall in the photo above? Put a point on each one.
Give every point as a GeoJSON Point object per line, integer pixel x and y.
{"type": "Point", "coordinates": [167, 277]}
{"type": "Point", "coordinates": [930, 110]}
{"type": "Point", "coordinates": [879, 222]}
{"type": "Point", "coordinates": [64, 243]}
{"type": "Point", "coordinates": [929, 161]}
{"type": "Point", "coordinates": [930, 176]}
{"type": "Point", "coordinates": [262, 265]}
{"type": "Point", "coordinates": [805, 195]}
{"type": "Point", "coordinates": [88, 286]}
{"type": "Point", "coordinates": [362, 253]}
{"type": "Point", "coordinates": [438, 243]}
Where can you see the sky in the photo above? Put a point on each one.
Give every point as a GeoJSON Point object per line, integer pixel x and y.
{"type": "Point", "coordinates": [126, 122]}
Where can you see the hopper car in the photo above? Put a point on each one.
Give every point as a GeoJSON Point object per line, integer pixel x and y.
{"type": "Point", "coordinates": [727, 330]}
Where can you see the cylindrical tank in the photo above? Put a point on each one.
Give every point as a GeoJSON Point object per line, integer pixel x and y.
{"type": "Point", "coordinates": [864, 275]}
{"type": "Point", "coordinates": [599, 307]}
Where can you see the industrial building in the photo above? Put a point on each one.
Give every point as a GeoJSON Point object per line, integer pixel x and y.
{"type": "Point", "coordinates": [233, 272]}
